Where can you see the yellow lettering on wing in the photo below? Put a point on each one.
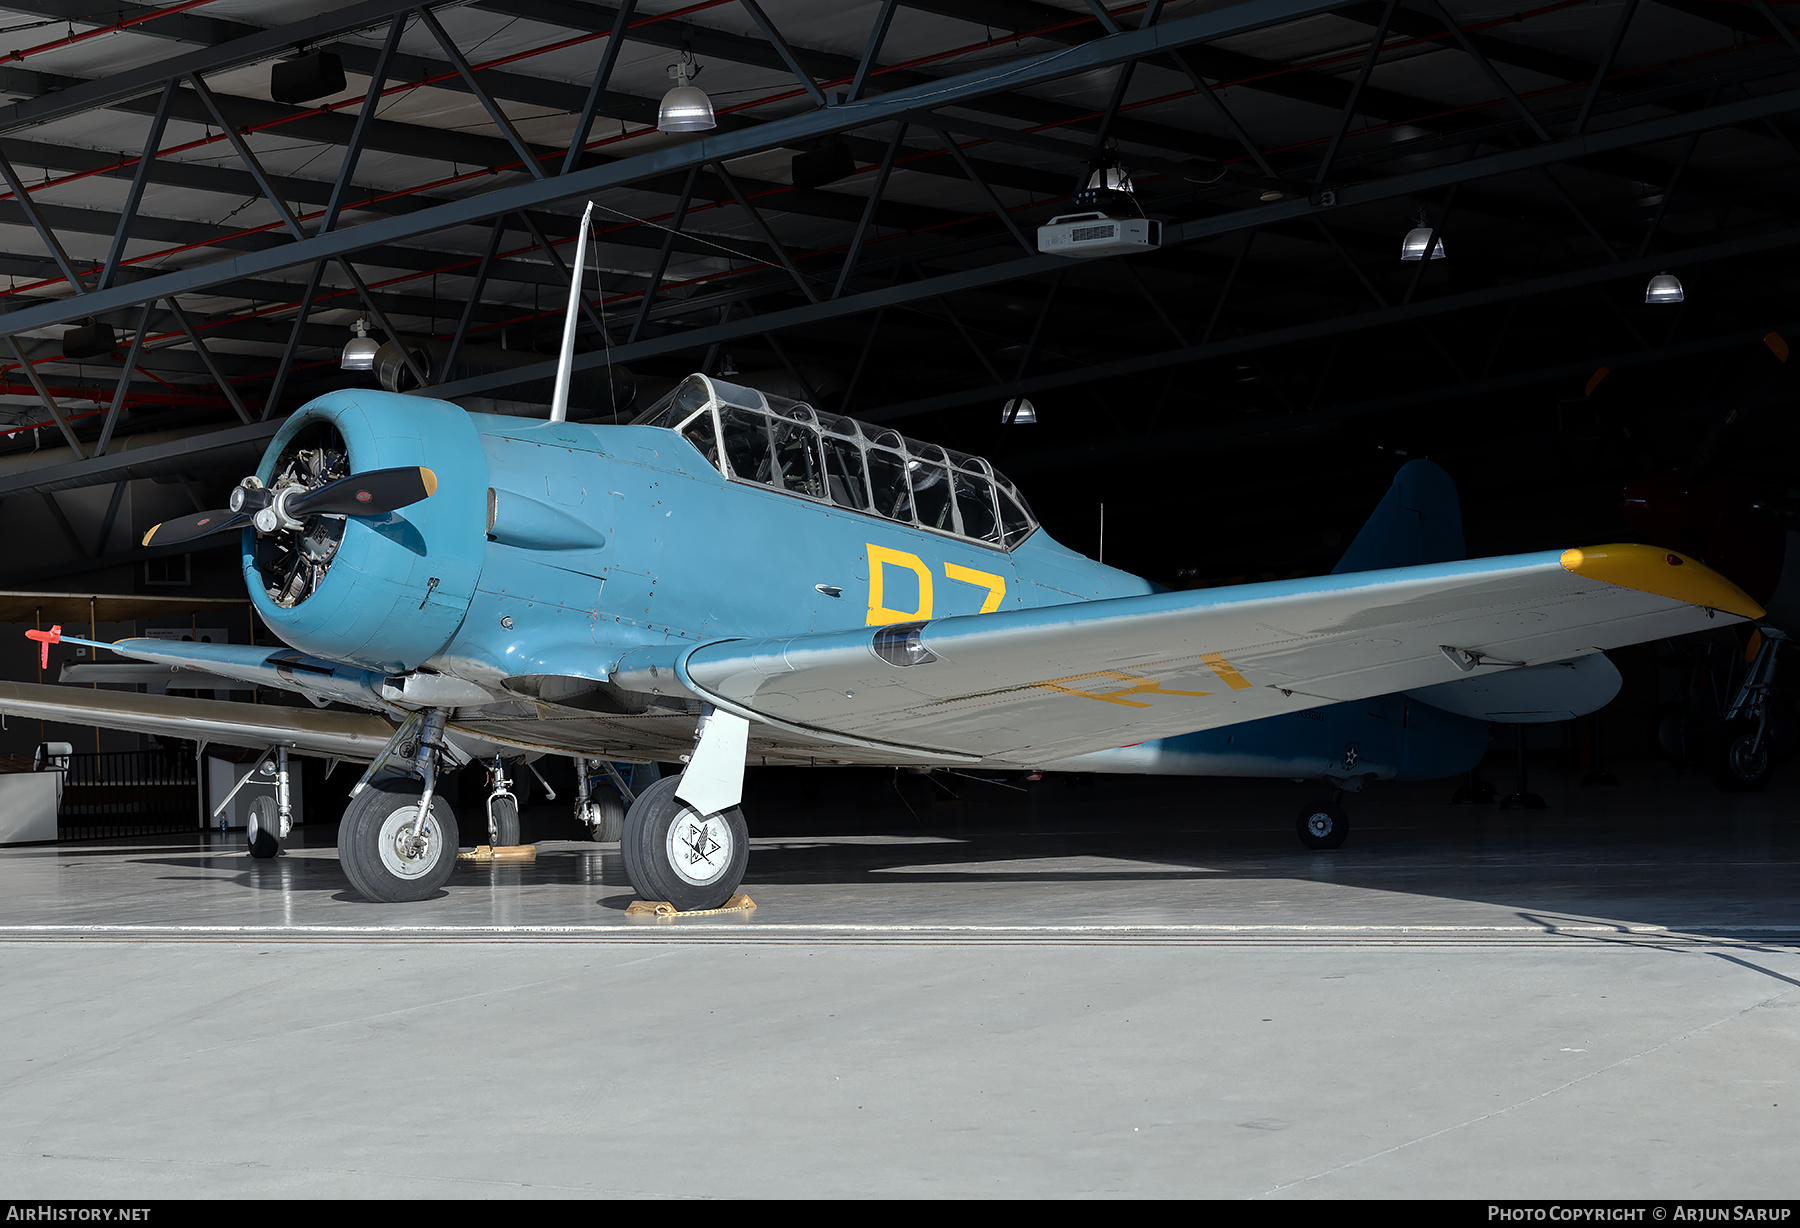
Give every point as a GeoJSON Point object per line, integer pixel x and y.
{"type": "Point", "coordinates": [1143, 686]}
{"type": "Point", "coordinates": [1220, 666]}
{"type": "Point", "coordinates": [880, 559]}
{"type": "Point", "coordinates": [995, 585]}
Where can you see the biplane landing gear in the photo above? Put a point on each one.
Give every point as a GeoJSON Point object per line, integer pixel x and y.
{"type": "Point", "coordinates": [674, 853]}
{"type": "Point", "coordinates": [1323, 824]}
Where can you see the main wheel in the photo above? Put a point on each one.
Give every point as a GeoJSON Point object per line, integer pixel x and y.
{"type": "Point", "coordinates": [605, 819]}
{"type": "Point", "coordinates": [1741, 761]}
{"type": "Point", "coordinates": [376, 846]}
{"type": "Point", "coordinates": [503, 822]}
{"type": "Point", "coordinates": [672, 853]}
{"type": "Point", "coordinates": [1322, 825]}
{"type": "Point", "coordinates": [262, 829]}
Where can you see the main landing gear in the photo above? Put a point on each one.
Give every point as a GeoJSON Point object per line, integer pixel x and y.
{"type": "Point", "coordinates": [1323, 824]}
{"type": "Point", "coordinates": [397, 842]}
{"type": "Point", "coordinates": [270, 819]}
{"type": "Point", "coordinates": [675, 853]}
{"type": "Point", "coordinates": [502, 807]}
{"type": "Point", "coordinates": [684, 839]}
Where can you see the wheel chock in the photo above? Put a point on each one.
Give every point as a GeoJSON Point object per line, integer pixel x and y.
{"type": "Point", "coordinates": [502, 852]}
{"type": "Point", "coordinates": [662, 910]}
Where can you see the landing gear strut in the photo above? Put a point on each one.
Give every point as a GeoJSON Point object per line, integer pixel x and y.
{"type": "Point", "coordinates": [270, 819]}
{"type": "Point", "coordinates": [1740, 755]}
{"type": "Point", "coordinates": [603, 815]}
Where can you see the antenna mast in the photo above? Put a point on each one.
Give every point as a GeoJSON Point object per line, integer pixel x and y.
{"type": "Point", "coordinates": [565, 362]}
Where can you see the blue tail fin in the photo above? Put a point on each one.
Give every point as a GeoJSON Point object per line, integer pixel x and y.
{"type": "Point", "coordinates": [1419, 520]}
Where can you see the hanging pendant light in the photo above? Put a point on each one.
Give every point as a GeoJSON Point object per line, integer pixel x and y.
{"type": "Point", "coordinates": [686, 108]}
{"type": "Point", "coordinates": [359, 351]}
{"type": "Point", "coordinates": [1018, 412]}
{"type": "Point", "coordinates": [1412, 247]}
{"type": "Point", "coordinates": [1664, 288]}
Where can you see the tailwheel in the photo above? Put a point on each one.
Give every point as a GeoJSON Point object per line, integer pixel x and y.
{"type": "Point", "coordinates": [672, 853]}
{"type": "Point", "coordinates": [386, 853]}
{"type": "Point", "coordinates": [262, 829]}
{"type": "Point", "coordinates": [1322, 825]}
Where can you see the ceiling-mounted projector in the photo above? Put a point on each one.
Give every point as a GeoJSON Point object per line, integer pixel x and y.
{"type": "Point", "coordinates": [1096, 234]}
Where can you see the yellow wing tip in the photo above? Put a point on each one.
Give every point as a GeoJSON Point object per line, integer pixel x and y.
{"type": "Point", "coordinates": [430, 479]}
{"type": "Point", "coordinates": [1666, 573]}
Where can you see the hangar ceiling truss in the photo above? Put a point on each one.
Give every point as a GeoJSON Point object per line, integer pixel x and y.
{"type": "Point", "coordinates": [1564, 152]}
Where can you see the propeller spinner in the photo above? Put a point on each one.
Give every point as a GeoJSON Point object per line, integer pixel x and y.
{"type": "Point", "coordinates": [361, 494]}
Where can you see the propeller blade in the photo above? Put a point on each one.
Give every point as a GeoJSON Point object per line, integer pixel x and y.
{"type": "Point", "coordinates": [367, 494]}
{"type": "Point", "coordinates": [200, 524]}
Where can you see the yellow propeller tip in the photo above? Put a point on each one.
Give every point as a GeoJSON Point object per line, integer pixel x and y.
{"type": "Point", "coordinates": [430, 480]}
{"type": "Point", "coordinates": [151, 533]}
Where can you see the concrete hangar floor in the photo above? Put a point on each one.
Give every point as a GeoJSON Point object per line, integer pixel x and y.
{"type": "Point", "coordinates": [1129, 988]}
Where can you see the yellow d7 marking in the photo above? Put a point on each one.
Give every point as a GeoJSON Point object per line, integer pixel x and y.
{"type": "Point", "coordinates": [1144, 685]}
{"type": "Point", "coordinates": [995, 585]}
{"type": "Point", "coordinates": [882, 557]}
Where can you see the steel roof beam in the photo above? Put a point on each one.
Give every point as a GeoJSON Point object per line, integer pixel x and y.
{"type": "Point", "coordinates": [1405, 185]}
{"type": "Point", "coordinates": [248, 49]}
{"type": "Point", "coordinates": [680, 156]}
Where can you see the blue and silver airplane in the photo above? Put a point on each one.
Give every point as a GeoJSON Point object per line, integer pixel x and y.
{"type": "Point", "coordinates": [737, 578]}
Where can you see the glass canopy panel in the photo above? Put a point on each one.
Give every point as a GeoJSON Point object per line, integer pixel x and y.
{"type": "Point", "coordinates": [782, 443]}
{"type": "Point", "coordinates": [747, 445]}
{"type": "Point", "coordinates": [975, 506]}
{"type": "Point", "coordinates": [888, 486]}
{"type": "Point", "coordinates": [844, 476]}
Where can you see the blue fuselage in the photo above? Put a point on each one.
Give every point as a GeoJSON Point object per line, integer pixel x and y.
{"type": "Point", "coordinates": [560, 548]}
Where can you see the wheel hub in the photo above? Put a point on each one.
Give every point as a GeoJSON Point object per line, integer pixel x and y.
{"type": "Point", "coordinates": [1319, 824]}
{"type": "Point", "coordinates": [405, 852]}
{"type": "Point", "coordinates": [699, 848]}
{"type": "Point", "coordinates": [1748, 762]}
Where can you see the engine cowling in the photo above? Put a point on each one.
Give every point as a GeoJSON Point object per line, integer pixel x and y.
{"type": "Point", "coordinates": [384, 592]}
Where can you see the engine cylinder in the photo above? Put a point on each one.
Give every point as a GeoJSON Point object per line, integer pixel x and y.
{"type": "Point", "coordinates": [395, 587]}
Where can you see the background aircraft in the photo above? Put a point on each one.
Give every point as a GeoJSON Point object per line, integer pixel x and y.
{"type": "Point", "coordinates": [737, 578]}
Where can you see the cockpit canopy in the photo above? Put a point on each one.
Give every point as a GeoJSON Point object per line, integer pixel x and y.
{"type": "Point", "coordinates": [750, 436]}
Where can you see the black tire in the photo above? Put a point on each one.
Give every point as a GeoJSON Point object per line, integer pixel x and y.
{"type": "Point", "coordinates": [1322, 825]}
{"type": "Point", "coordinates": [262, 828]}
{"type": "Point", "coordinates": [376, 813]}
{"type": "Point", "coordinates": [692, 861]}
{"type": "Point", "coordinates": [611, 826]}
{"type": "Point", "coordinates": [1735, 767]}
{"type": "Point", "coordinates": [503, 822]}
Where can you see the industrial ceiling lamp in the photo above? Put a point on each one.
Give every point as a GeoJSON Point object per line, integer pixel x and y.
{"type": "Point", "coordinates": [686, 108]}
{"type": "Point", "coordinates": [359, 352]}
{"type": "Point", "coordinates": [1018, 412]}
{"type": "Point", "coordinates": [1413, 246]}
{"type": "Point", "coordinates": [1664, 288]}
{"type": "Point", "coordinates": [1108, 186]}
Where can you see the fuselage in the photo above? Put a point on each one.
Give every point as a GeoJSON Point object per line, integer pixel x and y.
{"type": "Point", "coordinates": [563, 549]}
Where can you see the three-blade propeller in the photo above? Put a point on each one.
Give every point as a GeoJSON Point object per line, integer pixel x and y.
{"type": "Point", "coordinates": [361, 494]}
